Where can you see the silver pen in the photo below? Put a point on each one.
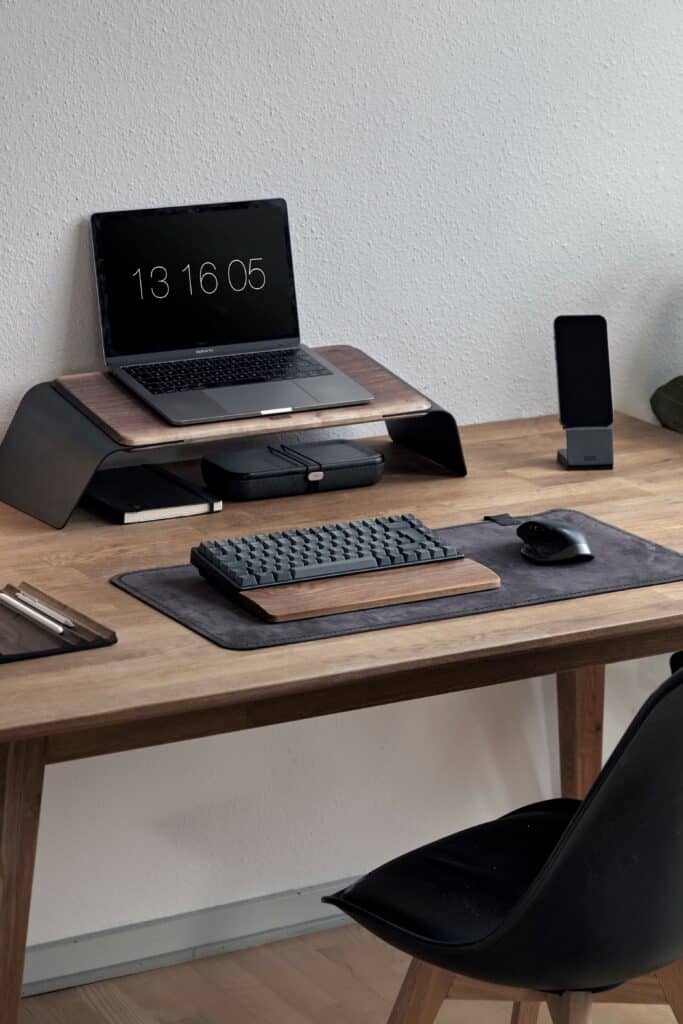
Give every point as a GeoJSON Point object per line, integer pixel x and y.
{"type": "Point", "coordinates": [29, 613]}
{"type": "Point", "coordinates": [41, 607]}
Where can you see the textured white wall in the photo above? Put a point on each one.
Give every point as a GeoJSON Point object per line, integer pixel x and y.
{"type": "Point", "coordinates": [457, 174]}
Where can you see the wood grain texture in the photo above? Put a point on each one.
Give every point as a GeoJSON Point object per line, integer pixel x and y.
{"type": "Point", "coordinates": [580, 705]}
{"type": "Point", "coordinates": [133, 424]}
{"type": "Point", "coordinates": [422, 993]}
{"type": "Point", "coordinates": [571, 1007]}
{"type": "Point", "coordinates": [340, 976]}
{"type": "Point", "coordinates": [525, 1013]}
{"type": "Point", "coordinates": [161, 675]}
{"type": "Point", "coordinates": [290, 707]}
{"type": "Point", "coordinates": [85, 629]}
{"type": "Point", "coordinates": [671, 980]}
{"type": "Point", "coordinates": [20, 636]}
{"type": "Point", "coordinates": [645, 990]}
{"type": "Point", "coordinates": [22, 768]}
{"type": "Point", "coordinates": [369, 590]}
{"type": "Point", "coordinates": [463, 988]}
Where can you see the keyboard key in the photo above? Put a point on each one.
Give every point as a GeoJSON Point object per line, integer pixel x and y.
{"type": "Point", "coordinates": [308, 572]}
{"type": "Point", "coordinates": [244, 581]}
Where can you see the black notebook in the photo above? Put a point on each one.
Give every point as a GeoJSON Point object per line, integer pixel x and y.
{"type": "Point", "coordinates": [141, 494]}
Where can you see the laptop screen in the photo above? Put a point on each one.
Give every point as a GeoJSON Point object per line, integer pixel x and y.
{"type": "Point", "coordinates": [194, 277]}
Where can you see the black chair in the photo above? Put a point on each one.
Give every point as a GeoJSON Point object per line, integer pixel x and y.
{"type": "Point", "coordinates": [562, 901]}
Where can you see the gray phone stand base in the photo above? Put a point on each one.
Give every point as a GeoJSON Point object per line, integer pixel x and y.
{"type": "Point", "coordinates": [587, 448]}
{"type": "Point", "coordinates": [53, 447]}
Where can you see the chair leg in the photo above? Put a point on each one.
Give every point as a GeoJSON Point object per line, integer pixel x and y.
{"type": "Point", "coordinates": [525, 1013]}
{"type": "Point", "coordinates": [571, 1007]}
{"type": "Point", "coordinates": [671, 980]}
{"type": "Point", "coordinates": [423, 991]}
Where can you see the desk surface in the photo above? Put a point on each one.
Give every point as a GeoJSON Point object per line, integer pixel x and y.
{"type": "Point", "coordinates": [100, 700]}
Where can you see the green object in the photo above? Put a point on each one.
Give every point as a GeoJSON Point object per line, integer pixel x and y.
{"type": "Point", "coordinates": [667, 404]}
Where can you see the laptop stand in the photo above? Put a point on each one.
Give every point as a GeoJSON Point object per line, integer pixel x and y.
{"type": "Point", "coordinates": [65, 430]}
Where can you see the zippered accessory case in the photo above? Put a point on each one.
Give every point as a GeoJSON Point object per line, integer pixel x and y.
{"type": "Point", "coordinates": [283, 470]}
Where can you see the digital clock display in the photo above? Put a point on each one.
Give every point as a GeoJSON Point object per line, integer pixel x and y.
{"type": "Point", "coordinates": [194, 277]}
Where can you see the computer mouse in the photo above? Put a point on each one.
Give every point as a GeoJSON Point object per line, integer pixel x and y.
{"type": "Point", "coordinates": [547, 542]}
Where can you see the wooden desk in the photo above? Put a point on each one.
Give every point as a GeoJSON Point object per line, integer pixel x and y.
{"type": "Point", "coordinates": [162, 683]}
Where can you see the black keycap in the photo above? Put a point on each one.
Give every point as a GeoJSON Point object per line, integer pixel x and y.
{"type": "Point", "coordinates": [324, 568]}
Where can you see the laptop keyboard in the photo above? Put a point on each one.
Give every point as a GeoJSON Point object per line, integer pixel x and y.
{"type": "Point", "coordinates": [226, 371]}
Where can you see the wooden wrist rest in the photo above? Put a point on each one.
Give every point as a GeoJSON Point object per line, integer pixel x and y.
{"type": "Point", "coordinates": [311, 598]}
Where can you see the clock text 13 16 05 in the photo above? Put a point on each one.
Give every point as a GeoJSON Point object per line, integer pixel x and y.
{"type": "Point", "coordinates": [202, 279]}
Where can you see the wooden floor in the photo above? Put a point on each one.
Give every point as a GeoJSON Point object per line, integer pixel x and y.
{"type": "Point", "coordinates": [342, 976]}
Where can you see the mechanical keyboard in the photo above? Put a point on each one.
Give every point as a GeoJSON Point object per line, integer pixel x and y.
{"type": "Point", "coordinates": [226, 371]}
{"type": "Point", "coordinates": [337, 549]}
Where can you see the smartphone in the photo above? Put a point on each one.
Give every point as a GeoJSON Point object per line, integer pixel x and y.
{"type": "Point", "coordinates": [583, 376]}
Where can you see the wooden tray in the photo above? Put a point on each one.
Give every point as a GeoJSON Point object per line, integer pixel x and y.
{"type": "Point", "coordinates": [308, 600]}
{"type": "Point", "coordinates": [20, 638]}
{"type": "Point", "coordinates": [133, 424]}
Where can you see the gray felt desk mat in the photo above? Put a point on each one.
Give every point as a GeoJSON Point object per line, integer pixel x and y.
{"type": "Point", "coordinates": [622, 561]}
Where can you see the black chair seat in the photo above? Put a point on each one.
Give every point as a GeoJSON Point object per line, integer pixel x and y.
{"type": "Point", "coordinates": [459, 889]}
{"type": "Point", "coordinates": [560, 896]}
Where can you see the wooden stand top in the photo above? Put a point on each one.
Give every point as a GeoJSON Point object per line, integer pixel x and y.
{"type": "Point", "coordinates": [133, 424]}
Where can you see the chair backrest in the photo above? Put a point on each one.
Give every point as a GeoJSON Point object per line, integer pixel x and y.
{"type": "Point", "coordinates": [608, 904]}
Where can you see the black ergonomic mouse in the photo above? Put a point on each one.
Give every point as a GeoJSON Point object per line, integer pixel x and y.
{"type": "Point", "coordinates": [547, 542]}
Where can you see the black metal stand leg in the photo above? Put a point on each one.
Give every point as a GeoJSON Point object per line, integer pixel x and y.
{"type": "Point", "coordinates": [434, 435]}
{"type": "Point", "coordinates": [52, 450]}
{"type": "Point", "coordinates": [48, 456]}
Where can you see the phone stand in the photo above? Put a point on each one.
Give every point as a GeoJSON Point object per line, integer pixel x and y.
{"type": "Point", "coordinates": [587, 448]}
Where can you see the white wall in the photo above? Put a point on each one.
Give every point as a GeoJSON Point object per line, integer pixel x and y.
{"type": "Point", "coordinates": [457, 174]}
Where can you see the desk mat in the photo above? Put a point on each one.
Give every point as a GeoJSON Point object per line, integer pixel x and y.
{"type": "Point", "coordinates": [622, 561]}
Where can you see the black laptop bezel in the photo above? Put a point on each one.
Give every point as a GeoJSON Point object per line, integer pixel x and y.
{"type": "Point", "coordinates": [113, 360]}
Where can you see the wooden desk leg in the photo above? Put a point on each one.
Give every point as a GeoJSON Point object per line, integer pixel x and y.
{"type": "Point", "coordinates": [22, 766]}
{"type": "Point", "coordinates": [580, 708]}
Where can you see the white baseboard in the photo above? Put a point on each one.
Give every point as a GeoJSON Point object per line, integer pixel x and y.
{"type": "Point", "coordinates": [171, 940]}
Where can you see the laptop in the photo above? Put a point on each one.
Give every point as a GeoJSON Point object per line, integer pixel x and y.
{"type": "Point", "coordinates": [199, 317]}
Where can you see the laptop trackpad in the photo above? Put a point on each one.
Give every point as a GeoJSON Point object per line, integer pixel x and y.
{"type": "Point", "coordinates": [251, 399]}
{"type": "Point", "coordinates": [191, 406]}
